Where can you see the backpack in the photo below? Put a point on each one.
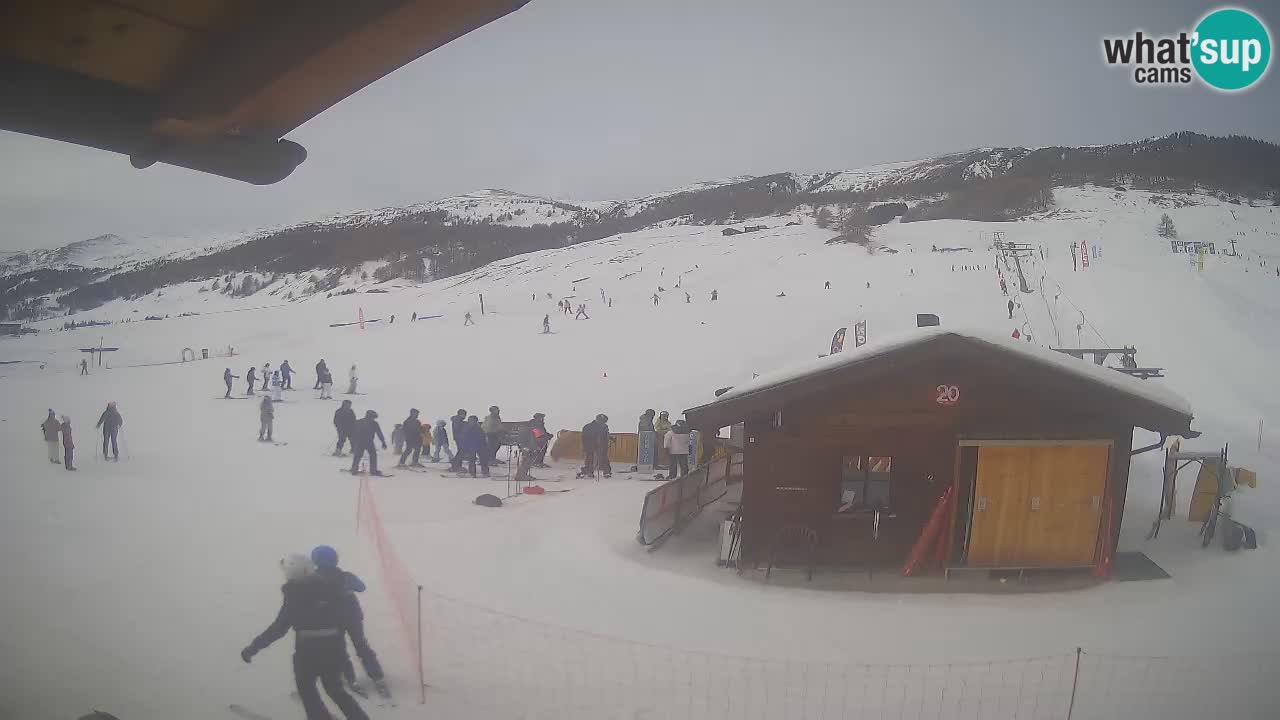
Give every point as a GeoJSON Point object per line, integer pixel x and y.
{"type": "Point", "coordinates": [488, 500]}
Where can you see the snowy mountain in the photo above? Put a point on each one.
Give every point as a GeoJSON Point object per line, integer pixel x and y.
{"type": "Point", "coordinates": [458, 234]}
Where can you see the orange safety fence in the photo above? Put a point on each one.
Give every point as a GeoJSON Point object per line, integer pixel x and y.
{"type": "Point", "coordinates": [487, 663]}
{"type": "Point", "coordinates": [403, 592]}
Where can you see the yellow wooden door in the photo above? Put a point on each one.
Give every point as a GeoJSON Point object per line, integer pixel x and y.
{"type": "Point", "coordinates": [1065, 484]}
{"type": "Point", "coordinates": [999, 507]}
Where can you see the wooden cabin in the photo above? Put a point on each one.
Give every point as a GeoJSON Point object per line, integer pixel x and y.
{"type": "Point", "coordinates": [861, 445]}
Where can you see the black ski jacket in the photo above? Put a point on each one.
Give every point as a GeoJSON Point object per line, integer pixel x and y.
{"type": "Point", "coordinates": [316, 608]}
{"type": "Point", "coordinates": [366, 430]}
{"type": "Point", "coordinates": [344, 418]}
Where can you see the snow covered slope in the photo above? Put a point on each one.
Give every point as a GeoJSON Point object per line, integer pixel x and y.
{"type": "Point", "coordinates": [101, 566]}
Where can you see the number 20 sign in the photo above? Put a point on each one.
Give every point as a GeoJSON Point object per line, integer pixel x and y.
{"type": "Point", "coordinates": [947, 395]}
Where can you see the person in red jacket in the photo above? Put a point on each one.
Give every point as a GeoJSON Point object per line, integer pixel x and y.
{"type": "Point", "coordinates": [68, 447]}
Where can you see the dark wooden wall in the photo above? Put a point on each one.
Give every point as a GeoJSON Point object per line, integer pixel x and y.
{"type": "Point", "coordinates": [792, 471]}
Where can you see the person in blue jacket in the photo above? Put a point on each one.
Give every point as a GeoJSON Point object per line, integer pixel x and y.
{"type": "Point", "coordinates": [315, 608]}
{"type": "Point", "coordinates": [472, 445]}
{"type": "Point", "coordinates": [286, 374]}
{"type": "Point", "coordinates": [226, 378]}
{"type": "Point", "coordinates": [325, 559]}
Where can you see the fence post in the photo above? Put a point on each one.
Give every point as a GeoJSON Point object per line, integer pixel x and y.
{"type": "Point", "coordinates": [422, 682]}
{"type": "Point", "coordinates": [1075, 683]}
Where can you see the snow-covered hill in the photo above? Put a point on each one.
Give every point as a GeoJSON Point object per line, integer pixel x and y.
{"type": "Point", "coordinates": [198, 509]}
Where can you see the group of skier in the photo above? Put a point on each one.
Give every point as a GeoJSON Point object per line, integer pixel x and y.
{"type": "Point", "coordinates": [674, 437]}
{"type": "Point", "coordinates": [477, 442]}
{"type": "Point", "coordinates": [319, 604]}
{"type": "Point", "coordinates": [275, 381]}
{"type": "Point", "coordinates": [56, 431]}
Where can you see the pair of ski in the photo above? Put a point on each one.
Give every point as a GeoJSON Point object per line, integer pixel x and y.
{"type": "Point", "coordinates": [365, 473]}
{"type": "Point", "coordinates": [383, 700]}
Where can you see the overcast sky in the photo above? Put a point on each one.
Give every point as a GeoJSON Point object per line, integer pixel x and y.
{"type": "Point", "coordinates": [604, 99]}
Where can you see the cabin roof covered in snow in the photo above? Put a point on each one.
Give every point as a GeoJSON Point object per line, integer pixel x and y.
{"type": "Point", "coordinates": [1156, 408]}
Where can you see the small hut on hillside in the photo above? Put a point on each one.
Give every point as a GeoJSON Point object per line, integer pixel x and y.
{"type": "Point", "coordinates": [860, 446]}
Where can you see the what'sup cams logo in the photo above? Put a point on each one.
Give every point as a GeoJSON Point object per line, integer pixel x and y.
{"type": "Point", "coordinates": [1229, 50]}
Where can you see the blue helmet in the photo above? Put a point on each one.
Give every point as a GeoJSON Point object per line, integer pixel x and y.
{"type": "Point", "coordinates": [324, 556]}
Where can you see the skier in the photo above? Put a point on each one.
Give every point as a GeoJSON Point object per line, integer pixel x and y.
{"type": "Point", "coordinates": [611, 299]}
{"type": "Point", "coordinates": [471, 447]}
{"type": "Point", "coordinates": [827, 286]}
{"type": "Point", "coordinates": [352, 377]}
{"type": "Point", "coordinates": [646, 420]}
{"type": "Point", "coordinates": [546, 324]}
{"type": "Point", "coordinates": [661, 426]}
{"type": "Point", "coordinates": [467, 320]}
{"type": "Point", "coordinates": [781, 294]}
{"type": "Point", "coordinates": [397, 439]}
{"type": "Point", "coordinates": [393, 320]}
{"type": "Point", "coordinates": [286, 374]}
{"type": "Point", "coordinates": [414, 317]}
{"type": "Point", "coordinates": [344, 421]}
{"type": "Point", "coordinates": [277, 385]}
{"type": "Point", "coordinates": [595, 447]}
{"type": "Point", "coordinates": [715, 295]}
{"type": "Point", "coordinates": [325, 558]}
{"type": "Point", "coordinates": [314, 606]}
{"type": "Point", "coordinates": [456, 424]}
{"type": "Point", "coordinates": [492, 427]}
{"type": "Point", "coordinates": [439, 442]}
{"type": "Point", "coordinates": [110, 422]}
{"type": "Point", "coordinates": [321, 368]}
{"type": "Point", "coordinates": [367, 429]}
{"type": "Point", "coordinates": [1004, 287]}
{"type": "Point", "coordinates": [50, 428]}
{"type": "Point", "coordinates": [411, 430]}
{"type": "Point", "coordinates": [226, 378]}
{"type": "Point", "coordinates": [539, 422]}
{"type": "Point", "coordinates": [267, 414]}
{"type": "Point", "coordinates": [266, 375]}
{"type": "Point", "coordinates": [688, 298]}
{"type": "Point", "coordinates": [568, 306]}
{"type": "Point", "coordinates": [84, 366]}
{"type": "Point", "coordinates": [68, 447]}
{"type": "Point", "coordinates": [655, 299]}
{"type": "Point", "coordinates": [1011, 309]}
{"type": "Point", "coordinates": [326, 383]}
{"type": "Point", "coordinates": [533, 445]}
{"type": "Point", "coordinates": [582, 313]}
{"type": "Point", "coordinates": [251, 379]}
{"type": "Point", "coordinates": [676, 442]}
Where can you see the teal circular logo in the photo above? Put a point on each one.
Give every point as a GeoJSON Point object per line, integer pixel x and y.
{"type": "Point", "coordinates": [1232, 49]}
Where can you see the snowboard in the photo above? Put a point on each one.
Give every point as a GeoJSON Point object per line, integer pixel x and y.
{"type": "Point", "coordinates": [233, 397]}
{"type": "Point", "coordinates": [274, 442]}
{"type": "Point", "coordinates": [246, 713]}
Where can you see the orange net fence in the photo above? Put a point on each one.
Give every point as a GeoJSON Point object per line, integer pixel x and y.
{"type": "Point", "coordinates": [481, 662]}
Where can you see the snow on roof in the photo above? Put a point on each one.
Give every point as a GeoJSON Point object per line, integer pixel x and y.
{"type": "Point", "coordinates": [1144, 390]}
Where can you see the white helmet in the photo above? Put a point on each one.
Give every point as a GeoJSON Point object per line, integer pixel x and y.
{"type": "Point", "coordinates": [296, 566]}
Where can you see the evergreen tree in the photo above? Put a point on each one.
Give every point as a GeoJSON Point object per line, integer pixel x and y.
{"type": "Point", "coordinates": [1166, 229]}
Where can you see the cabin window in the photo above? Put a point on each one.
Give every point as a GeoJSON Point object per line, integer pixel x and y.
{"type": "Point", "coordinates": [865, 482]}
